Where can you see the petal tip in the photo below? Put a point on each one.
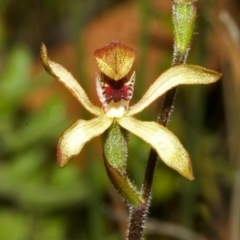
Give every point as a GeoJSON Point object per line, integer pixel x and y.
{"type": "Point", "coordinates": [43, 52]}
{"type": "Point", "coordinates": [44, 58]}
{"type": "Point", "coordinates": [185, 166]}
{"type": "Point", "coordinates": [188, 174]}
{"type": "Point", "coordinates": [62, 159]}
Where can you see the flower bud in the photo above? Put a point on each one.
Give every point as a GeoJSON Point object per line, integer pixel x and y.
{"type": "Point", "coordinates": [184, 16]}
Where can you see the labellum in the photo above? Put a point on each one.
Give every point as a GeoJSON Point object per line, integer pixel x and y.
{"type": "Point", "coordinates": [114, 88]}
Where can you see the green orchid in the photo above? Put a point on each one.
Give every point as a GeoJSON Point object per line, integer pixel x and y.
{"type": "Point", "coordinates": [115, 90]}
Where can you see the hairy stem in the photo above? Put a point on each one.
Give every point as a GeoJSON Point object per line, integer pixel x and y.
{"type": "Point", "coordinates": [138, 214]}
{"type": "Point", "coordinates": [184, 13]}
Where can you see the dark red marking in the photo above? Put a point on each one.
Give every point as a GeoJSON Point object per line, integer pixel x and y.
{"type": "Point", "coordinates": [116, 90]}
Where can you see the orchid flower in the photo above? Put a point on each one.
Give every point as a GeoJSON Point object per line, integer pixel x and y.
{"type": "Point", "coordinates": [115, 90]}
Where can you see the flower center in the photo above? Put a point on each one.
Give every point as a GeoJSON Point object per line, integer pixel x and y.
{"type": "Point", "coordinates": [114, 95]}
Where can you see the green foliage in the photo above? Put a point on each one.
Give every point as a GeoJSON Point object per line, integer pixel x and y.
{"type": "Point", "coordinates": [31, 184]}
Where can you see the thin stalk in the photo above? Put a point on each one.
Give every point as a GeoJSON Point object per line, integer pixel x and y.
{"type": "Point", "coordinates": [138, 214]}
{"type": "Point", "coordinates": [184, 14]}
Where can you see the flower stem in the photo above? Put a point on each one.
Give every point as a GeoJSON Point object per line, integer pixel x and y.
{"type": "Point", "coordinates": [138, 214]}
{"type": "Point", "coordinates": [184, 16]}
{"type": "Point", "coordinates": [137, 221]}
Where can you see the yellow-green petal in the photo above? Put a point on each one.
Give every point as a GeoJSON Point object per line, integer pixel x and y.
{"type": "Point", "coordinates": [166, 144]}
{"type": "Point", "coordinates": [65, 77]}
{"type": "Point", "coordinates": [75, 137]}
{"type": "Point", "coordinates": [178, 75]}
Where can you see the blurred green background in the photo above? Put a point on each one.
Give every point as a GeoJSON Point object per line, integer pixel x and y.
{"type": "Point", "coordinates": [40, 201]}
